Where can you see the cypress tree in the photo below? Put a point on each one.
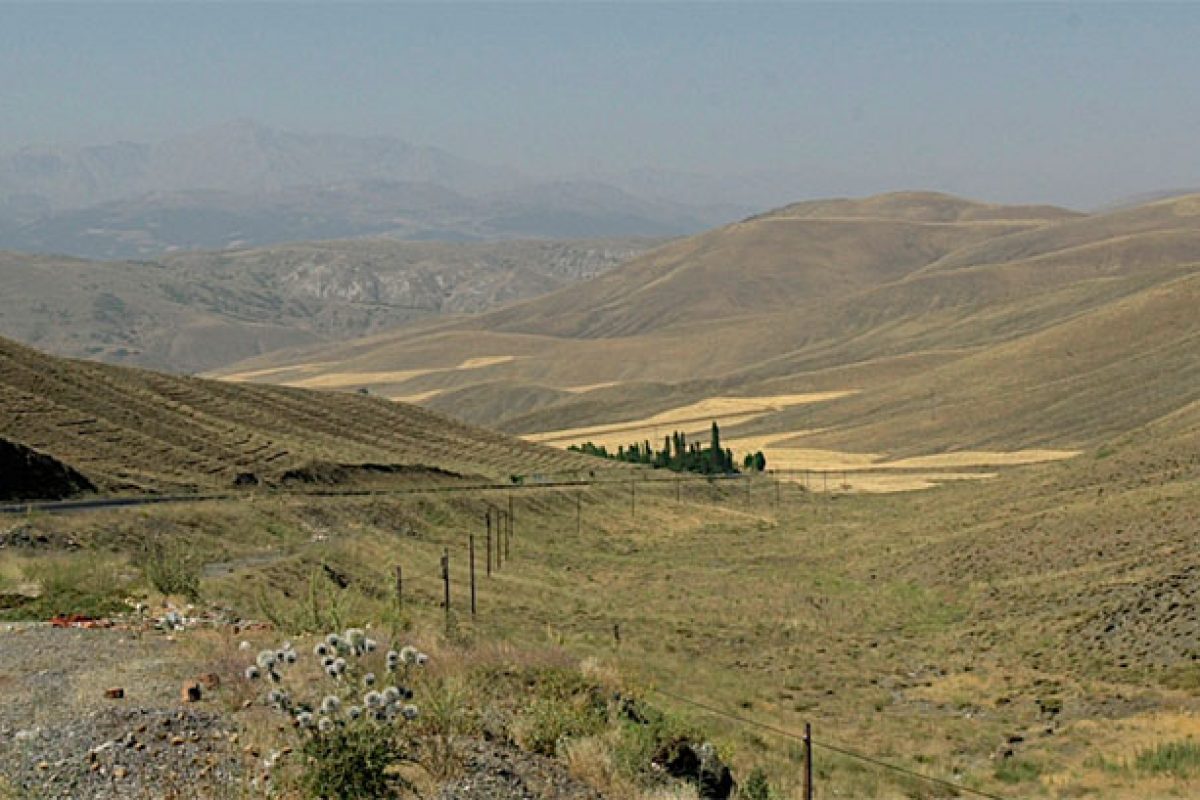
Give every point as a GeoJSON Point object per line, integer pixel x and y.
{"type": "Point", "coordinates": [715, 448]}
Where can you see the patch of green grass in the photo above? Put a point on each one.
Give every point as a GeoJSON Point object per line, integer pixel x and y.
{"type": "Point", "coordinates": [1180, 759]}
{"type": "Point", "coordinates": [1018, 770]}
{"type": "Point", "coordinates": [82, 583]}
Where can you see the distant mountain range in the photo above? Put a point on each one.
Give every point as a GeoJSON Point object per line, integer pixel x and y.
{"type": "Point", "coordinates": [243, 184]}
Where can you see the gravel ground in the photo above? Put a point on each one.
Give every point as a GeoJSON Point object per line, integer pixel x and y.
{"type": "Point", "coordinates": [494, 772]}
{"type": "Point", "coordinates": [61, 736]}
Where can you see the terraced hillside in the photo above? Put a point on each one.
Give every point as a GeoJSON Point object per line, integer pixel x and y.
{"type": "Point", "coordinates": [128, 430]}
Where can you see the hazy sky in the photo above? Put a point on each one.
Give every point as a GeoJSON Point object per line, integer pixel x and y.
{"type": "Point", "coordinates": [1076, 104]}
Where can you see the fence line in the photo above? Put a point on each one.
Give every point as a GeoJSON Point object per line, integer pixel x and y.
{"type": "Point", "coordinates": [809, 742]}
{"type": "Point", "coordinates": [839, 749]}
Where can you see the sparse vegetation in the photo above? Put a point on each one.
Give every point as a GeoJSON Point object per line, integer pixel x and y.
{"type": "Point", "coordinates": [1179, 759]}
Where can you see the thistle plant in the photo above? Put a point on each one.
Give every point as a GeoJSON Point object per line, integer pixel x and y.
{"type": "Point", "coordinates": [348, 711]}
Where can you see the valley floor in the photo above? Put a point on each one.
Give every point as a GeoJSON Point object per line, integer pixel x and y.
{"type": "Point", "coordinates": [1026, 636]}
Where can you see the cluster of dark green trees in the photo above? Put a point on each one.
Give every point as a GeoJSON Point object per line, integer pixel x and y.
{"type": "Point", "coordinates": [679, 454]}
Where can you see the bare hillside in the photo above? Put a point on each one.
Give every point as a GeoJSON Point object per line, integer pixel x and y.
{"type": "Point", "coordinates": [953, 324]}
{"type": "Point", "coordinates": [130, 430]}
{"type": "Point", "coordinates": [197, 311]}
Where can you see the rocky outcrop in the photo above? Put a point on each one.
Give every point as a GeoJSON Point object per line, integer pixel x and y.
{"type": "Point", "coordinates": [26, 474]}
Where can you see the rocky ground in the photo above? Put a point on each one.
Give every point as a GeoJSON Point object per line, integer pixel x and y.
{"type": "Point", "coordinates": [63, 734]}
{"type": "Point", "coordinates": [498, 773]}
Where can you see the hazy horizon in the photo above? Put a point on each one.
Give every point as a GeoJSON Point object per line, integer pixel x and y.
{"type": "Point", "coordinates": [1079, 105]}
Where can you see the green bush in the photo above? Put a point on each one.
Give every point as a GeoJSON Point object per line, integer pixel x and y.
{"type": "Point", "coordinates": [351, 763]}
{"type": "Point", "coordinates": [549, 720]}
{"type": "Point", "coordinates": [170, 568]}
{"type": "Point", "coordinates": [1180, 759]}
{"type": "Point", "coordinates": [640, 742]}
{"type": "Point", "coordinates": [756, 786]}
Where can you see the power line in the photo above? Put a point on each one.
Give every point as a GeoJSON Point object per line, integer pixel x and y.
{"type": "Point", "coordinates": [833, 748]}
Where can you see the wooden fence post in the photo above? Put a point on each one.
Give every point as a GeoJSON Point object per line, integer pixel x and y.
{"type": "Point", "coordinates": [400, 586]}
{"type": "Point", "coordinates": [511, 517]}
{"type": "Point", "coordinates": [471, 548]}
{"type": "Point", "coordinates": [632, 500]}
{"type": "Point", "coordinates": [508, 533]}
{"type": "Point", "coordinates": [446, 581]}
{"type": "Point", "coordinates": [488, 519]}
{"type": "Point", "coordinates": [578, 512]}
{"type": "Point", "coordinates": [499, 539]}
{"type": "Point", "coordinates": [808, 763]}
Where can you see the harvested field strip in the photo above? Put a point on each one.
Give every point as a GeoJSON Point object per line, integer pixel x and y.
{"type": "Point", "coordinates": [724, 410]}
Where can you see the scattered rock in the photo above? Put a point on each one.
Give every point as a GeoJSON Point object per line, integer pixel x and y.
{"type": "Point", "coordinates": [191, 692]}
{"type": "Point", "coordinates": [115, 693]}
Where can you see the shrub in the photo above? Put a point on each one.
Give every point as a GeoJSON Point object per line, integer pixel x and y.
{"type": "Point", "coordinates": [549, 721]}
{"type": "Point", "coordinates": [170, 568]}
{"type": "Point", "coordinates": [756, 786]}
{"type": "Point", "coordinates": [351, 762]}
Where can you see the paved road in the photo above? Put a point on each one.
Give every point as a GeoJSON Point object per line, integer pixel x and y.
{"type": "Point", "coordinates": [105, 503]}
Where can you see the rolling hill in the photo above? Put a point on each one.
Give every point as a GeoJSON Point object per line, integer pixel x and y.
{"type": "Point", "coordinates": [951, 325]}
{"type": "Point", "coordinates": [196, 311]}
{"type": "Point", "coordinates": [122, 430]}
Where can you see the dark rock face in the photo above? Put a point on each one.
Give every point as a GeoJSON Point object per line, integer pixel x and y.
{"type": "Point", "coordinates": [700, 765]}
{"type": "Point", "coordinates": [26, 474]}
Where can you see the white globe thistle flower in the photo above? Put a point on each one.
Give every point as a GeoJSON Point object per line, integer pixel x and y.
{"type": "Point", "coordinates": [410, 712]}
{"type": "Point", "coordinates": [276, 698]}
{"type": "Point", "coordinates": [391, 695]}
{"type": "Point", "coordinates": [304, 719]}
{"type": "Point", "coordinates": [266, 659]}
{"type": "Point", "coordinates": [252, 673]}
{"type": "Point", "coordinates": [330, 704]}
{"type": "Point", "coordinates": [421, 660]}
{"type": "Point", "coordinates": [370, 645]}
{"type": "Point", "coordinates": [369, 679]}
{"type": "Point", "coordinates": [392, 655]}
{"type": "Point", "coordinates": [287, 645]}
{"type": "Point", "coordinates": [325, 725]}
{"type": "Point", "coordinates": [372, 699]}
{"type": "Point", "coordinates": [333, 641]}
{"type": "Point", "coordinates": [245, 646]}
{"type": "Point", "coordinates": [354, 636]}
{"type": "Point", "coordinates": [320, 650]}
{"type": "Point", "coordinates": [331, 671]}
{"type": "Point", "coordinates": [327, 661]}
{"type": "Point", "coordinates": [280, 656]}
{"type": "Point", "coordinates": [354, 712]}
{"type": "Point", "coordinates": [290, 656]}
{"type": "Point", "coordinates": [408, 654]}
{"type": "Point", "coordinates": [339, 664]}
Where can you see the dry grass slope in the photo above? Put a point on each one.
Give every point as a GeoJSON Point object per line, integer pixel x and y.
{"type": "Point", "coordinates": [134, 430]}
